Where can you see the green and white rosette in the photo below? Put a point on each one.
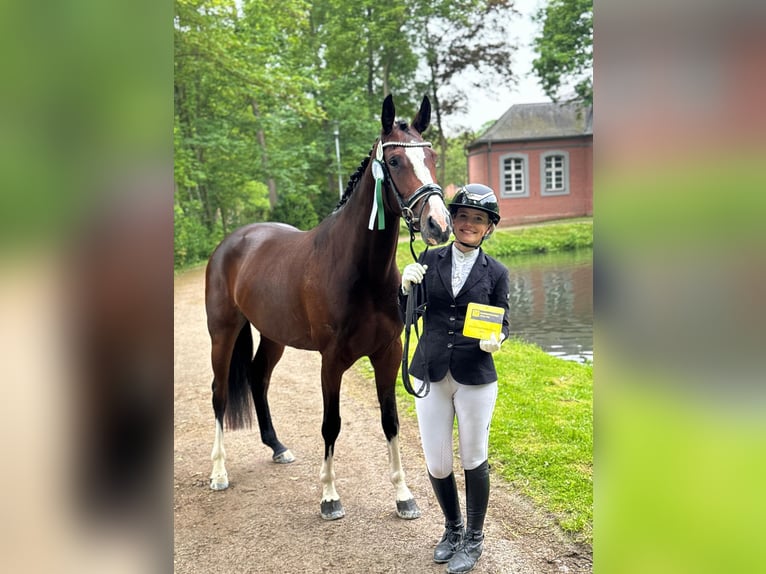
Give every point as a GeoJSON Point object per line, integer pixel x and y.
{"type": "Point", "coordinates": [377, 203]}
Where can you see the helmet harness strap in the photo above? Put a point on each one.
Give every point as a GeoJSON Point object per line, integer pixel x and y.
{"type": "Point", "coordinates": [463, 243]}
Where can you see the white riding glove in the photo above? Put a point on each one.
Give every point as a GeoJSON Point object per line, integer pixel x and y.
{"type": "Point", "coordinates": [491, 345]}
{"type": "Point", "coordinates": [413, 273]}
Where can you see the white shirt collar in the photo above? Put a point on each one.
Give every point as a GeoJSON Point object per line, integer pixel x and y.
{"type": "Point", "coordinates": [462, 263]}
{"type": "Point", "coordinates": [463, 258]}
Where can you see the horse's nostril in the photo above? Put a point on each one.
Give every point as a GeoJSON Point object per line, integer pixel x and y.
{"type": "Point", "coordinates": [436, 230]}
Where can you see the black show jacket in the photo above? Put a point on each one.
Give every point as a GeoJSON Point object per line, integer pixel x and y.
{"type": "Point", "coordinates": [446, 347]}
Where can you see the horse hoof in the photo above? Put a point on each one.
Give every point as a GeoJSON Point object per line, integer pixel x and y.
{"type": "Point", "coordinates": [219, 482]}
{"type": "Point", "coordinates": [332, 510]}
{"type": "Point", "coordinates": [407, 509]}
{"type": "Point", "coordinates": [283, 457]}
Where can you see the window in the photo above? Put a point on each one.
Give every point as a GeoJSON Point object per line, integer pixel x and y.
{"type": "Point", "coordinates": [514, 176]}
{"type": "Point", "coordinates": [554, 173]}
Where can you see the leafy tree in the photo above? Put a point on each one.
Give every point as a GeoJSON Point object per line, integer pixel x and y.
{"type": "Point", "coordinates": [364, 51]}
{"type": "Point", "coordinates": [255, 203]}
{"type": "Point", "coordinates": [296, 209]}
{"type": "Point", "coordinates": [458, 36]}
{"type": "Point", "coordinates": [565, 48]}
{"type": "Point", "coordinates": [192, 241]}
{"type": "Point", "coordinates": [454, 161]}
{"type": "Point", "coordinates": [234, 70]}
{"type": "Point", "coordinates": [260, 87]}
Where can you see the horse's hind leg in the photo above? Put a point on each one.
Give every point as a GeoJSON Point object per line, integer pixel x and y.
{"type": "Point", "coordinates": [386, 365]}
{"type": "Point", "coordinates": [266, 357]}
{"type": "Point", "coordinates": [231, 343]}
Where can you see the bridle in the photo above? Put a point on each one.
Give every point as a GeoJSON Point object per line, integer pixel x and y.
{"type": "Point", "coordinates": [381, 175]}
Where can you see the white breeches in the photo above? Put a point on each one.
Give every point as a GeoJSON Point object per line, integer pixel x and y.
{"type": "Point", "coordinates": [473, 405]}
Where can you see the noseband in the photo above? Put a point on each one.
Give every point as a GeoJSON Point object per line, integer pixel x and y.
{"type": "Point", "coordinates": [381, 174]}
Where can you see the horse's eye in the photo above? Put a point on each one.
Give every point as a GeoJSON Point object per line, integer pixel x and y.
{"type": "Point", "coordinates": [393, 162]}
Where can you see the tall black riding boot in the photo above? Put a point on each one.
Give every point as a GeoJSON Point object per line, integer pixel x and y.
{"type": "Point", "coordinates": [477, 498]}
{"type": "Point", "coordinates": [445, 490]}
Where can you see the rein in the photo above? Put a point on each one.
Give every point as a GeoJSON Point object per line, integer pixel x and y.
{"type": "Point", "coordinates": [415, 308]}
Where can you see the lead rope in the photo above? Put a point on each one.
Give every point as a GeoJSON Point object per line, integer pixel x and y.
{"type": "Point", "coordinates": [415, 308]}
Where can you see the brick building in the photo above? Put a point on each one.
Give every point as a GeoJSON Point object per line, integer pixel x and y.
{"type": "Point", "coordinates": [539, 160]}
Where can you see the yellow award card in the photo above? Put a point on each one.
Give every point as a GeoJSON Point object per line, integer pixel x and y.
{"type": "Point", "coordinates": [483, 320]}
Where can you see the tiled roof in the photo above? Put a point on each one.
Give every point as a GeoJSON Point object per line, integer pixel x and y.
{"type": "Point", "coordinates": [540, 121]}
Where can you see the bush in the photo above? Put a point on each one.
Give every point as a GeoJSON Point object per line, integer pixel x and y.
{"type": "Point", "coordinates": [192, 242]}
{"type": "Point", "coordinates": [295, 209]}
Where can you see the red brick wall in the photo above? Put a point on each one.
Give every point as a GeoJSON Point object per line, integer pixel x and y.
{"type": "Point", "coordinates": [484, 167]}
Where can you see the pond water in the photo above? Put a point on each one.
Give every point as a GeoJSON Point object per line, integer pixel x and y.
{"type": "Point", "coordinates": [552, 302]}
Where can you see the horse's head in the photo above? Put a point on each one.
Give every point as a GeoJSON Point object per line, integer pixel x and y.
{"type": "Point", "coordinates": [409, 166]}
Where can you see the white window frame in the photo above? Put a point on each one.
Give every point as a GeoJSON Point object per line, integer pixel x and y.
{"type": "Point", "coordinates": [504, 192]}
{"type": "Point", "coordinates": [544, 191]}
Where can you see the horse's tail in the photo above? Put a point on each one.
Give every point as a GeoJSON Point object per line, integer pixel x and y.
{"type": "Point", "coordinates": [239, 412]}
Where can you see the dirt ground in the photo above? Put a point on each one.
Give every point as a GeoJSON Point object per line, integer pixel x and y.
{"type": "Point", "coordinates": [268, 519]}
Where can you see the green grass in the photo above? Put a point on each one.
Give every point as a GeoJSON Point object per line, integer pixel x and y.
{"type": "Point", "coordinates": [541, 239]}
{"type": "Point", "coordinates": [542, 432]}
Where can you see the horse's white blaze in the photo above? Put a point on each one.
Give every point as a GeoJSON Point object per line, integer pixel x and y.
{"type": "Point", "coordinates": [437, 210]}
{"type": "Point", "coordinates": [218, 477]}
{"type": "Point", "coordinates": [397, 471]}
{"type": "Point", "coordinates": [327, 478]}
{"type": "Point", "coordinates": [417, 157]}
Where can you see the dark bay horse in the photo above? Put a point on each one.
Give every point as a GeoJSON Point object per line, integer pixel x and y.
{"type": "Point", "coordinates": [332, 289]}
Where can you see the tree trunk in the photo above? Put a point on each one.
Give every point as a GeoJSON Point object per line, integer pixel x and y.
{"type": "Point", "coordinates": [386, 72]}
{"type": "Point", "coordinates": [442, 141]}
{"type": "Point", "coordinates": [224, 222]}
{"type": "Point", "coordinates": [207, 212]}
{"type": "Point", "coordinates": [271, 184]}
{"type": "Point", "coordinates": [370, 61]}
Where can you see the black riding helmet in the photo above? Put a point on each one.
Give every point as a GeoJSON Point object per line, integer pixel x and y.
{"type": "Point", "coordinates": [477, 196]}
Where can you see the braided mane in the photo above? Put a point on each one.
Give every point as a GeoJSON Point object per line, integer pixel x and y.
{"type": "Point", "coordinates": [353, 181]}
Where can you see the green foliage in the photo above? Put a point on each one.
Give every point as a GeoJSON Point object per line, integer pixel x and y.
{"type": "Point", "coordinates": [295, 209]}
{"type": "Point", "coordinates": [565, 48]}
{"type": "Point", "coordinates": [455, 37]}
{"type": "Point", "coordinates": [254, 203]}
{"type": "Point", "coordinates": [193, 242]}
{"type": "Point", "coordinates": [455, 166]}
{"type": "Point", "coordinates": [260, 86]}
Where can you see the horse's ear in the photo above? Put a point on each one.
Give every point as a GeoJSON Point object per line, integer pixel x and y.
{"type": "Point", "coordinates": [388, 115]}
{"type": "Point", "coordinates": [423, 117]}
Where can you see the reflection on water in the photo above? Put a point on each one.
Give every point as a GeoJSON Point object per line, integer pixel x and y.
{"type": "Point", "coordinates": [552, 302]}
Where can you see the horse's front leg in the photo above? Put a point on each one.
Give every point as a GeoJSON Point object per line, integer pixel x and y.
{"type": "Point", "coordinates": [386, 365]}
{"type": "Point", "coordinates": [331, 507]}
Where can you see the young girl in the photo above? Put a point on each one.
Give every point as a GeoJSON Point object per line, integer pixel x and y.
{"type": "Point", "coordinates": [461, 369]}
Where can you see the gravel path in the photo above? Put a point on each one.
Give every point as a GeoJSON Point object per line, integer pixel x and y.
{"type": "Point", "coordinates": [268, 520]}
